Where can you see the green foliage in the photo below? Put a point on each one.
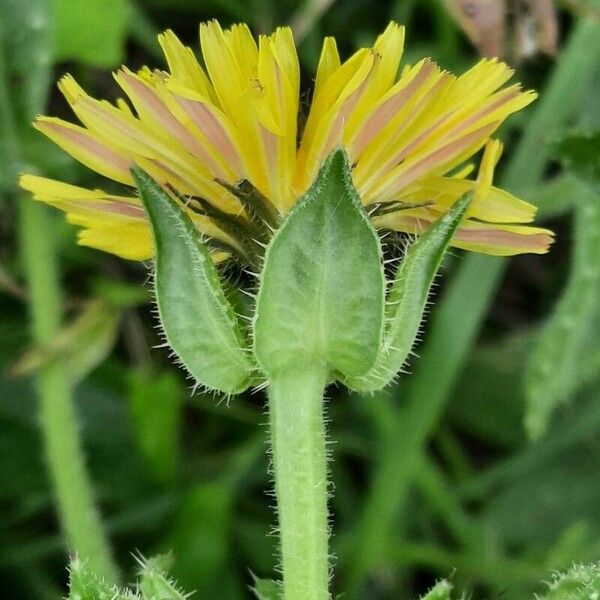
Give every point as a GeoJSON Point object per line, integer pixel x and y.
{"type": "Point", "coordinates": [580, 153]}
{"type": "Point", "coordinates": [198, 322]}
{"type": "Point", "coordinates": [155, 402]}
{"type": "Point", "coordinates": [580, 582]}
{"type": "Point", "coordinates": [85, 584]}
{"type": "Point", "coordinates": [568, 338]}
{"type": "Point", "coordinates": [463, 314]}
{"type": "Point", "coordinates": [201, 530]}
{"type": "Point", "coordinates": [25, 69]}
{"type": "Point", "coordinates": [83, 344]}
{"type": "Point", "coordinates": [25, 29]}
{"type": "Point", "coordinates": [568, 342]}
{"type": "Point", "coordinates": [321, 293]}
{"type": "Point", "coordinates": [153, 584]}
{"type": "Point", "coordinates": [94, 32]}
{"type": "Point", "coordinates": [267, 589]}
{"type": "Point", "coordinates": [441, 591]}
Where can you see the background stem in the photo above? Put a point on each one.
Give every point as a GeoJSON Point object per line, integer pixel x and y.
{"type": "Point", "coordinates": [81, 523]}
{"type": "Point", "coordinates": [300, 470]}
{"type": "Point", "coordinates": [64, 454]}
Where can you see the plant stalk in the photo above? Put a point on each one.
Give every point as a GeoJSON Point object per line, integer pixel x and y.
{"type": "Point", "coordinates": [299, 464]}
{"type": "Point", "coordinates": [80, 521]}
{"type": "Point", "coordinates": [64, 454]}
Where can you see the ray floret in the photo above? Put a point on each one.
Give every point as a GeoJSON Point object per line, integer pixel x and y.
{"type": "Point", "coordinates": [200, 130]}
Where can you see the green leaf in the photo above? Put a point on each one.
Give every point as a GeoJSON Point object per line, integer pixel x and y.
{"type": "Point", "coordinates": [82, 345]}
{"type": "Point", "coordinates": [267, 589]}
{"type": "Point", "coordinates": [441, 591]}
{"type": "Point", "coordinates": [580, 582]}
{"type": "Point", "coordinates": [155, 584]}
{"type": "Point", "coordinates": [92, 32]}
{"type": "Point", "coordinates": [580, 153]}
{"type": "Point", "coordinates": [85, 584]}
{"type": "Point", "coordinates": [156, 408]}
{"type": "Point", "coordinates": [199, 324]}
{"type": "Point", "coordinates": [408, 298]}
{"type": "Point", "coordinates": [321, 293]}
{"type": "Point", "coordinates": [554, 370]}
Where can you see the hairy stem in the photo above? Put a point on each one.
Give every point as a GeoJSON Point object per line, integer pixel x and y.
{"type": "Point", "coordinates": [64, 455]}
{"type": "Point", "coordinates": [297, 428]}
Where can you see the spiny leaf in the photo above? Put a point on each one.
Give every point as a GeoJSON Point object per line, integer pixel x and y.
{"type": "Point", "coordinates": [267, 589]}
{"type": "Point", "coordinates": [155, 584]}
{"type": "Point", "coordinates": [321, 293]}
{"type": "Point", "coordinates": [441, 591]}
{"type": "Point", "coordinates": [554, 370]}
{"type": "Point", "coordinates": [199, 323]}
{"type": "Point", "coordinates": [408, 298]}
{"type": "Point", "coordinates": [580, 582]}
{"type": "Point", "coordinates": [85, 584]}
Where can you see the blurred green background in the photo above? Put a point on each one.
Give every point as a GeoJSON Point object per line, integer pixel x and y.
{"type": "Point", "coordinates": [483, 465]}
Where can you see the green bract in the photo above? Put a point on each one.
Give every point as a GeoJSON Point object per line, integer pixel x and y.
{"type": "Point", "coordinates": [408, 298]}
{"type": "Point", "coordinates": [322, 293]}
{"type": "Point", "coordinates": [198, 321]}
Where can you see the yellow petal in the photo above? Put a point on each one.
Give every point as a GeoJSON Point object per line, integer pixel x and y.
{"type": "Point", "coordinates": [155, 110]}
{"type": "Point", "coordinates": [87, 148]}
{"type": "Point", "coordinates": [329, 63]}
{"type": "Point", "coordinates": [387, 53]}
{"type": "Point", "coordinates": [132, 241]}
{"type": "Point", "coordinates": [487, 238]}
{"type": "Point", "coordinates": [497, 206]}
{"type": "Point", "coordinates": [491, 156]}
{"type": "Point", "coordinates": [184, 67]}
{"type": "Point", "coordinates": [503, 240]}
{"type": "Point", "coordinates": [328, 113]}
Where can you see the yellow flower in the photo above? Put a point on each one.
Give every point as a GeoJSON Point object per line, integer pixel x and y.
{"type": "Point", "coordinates": [409, 133]}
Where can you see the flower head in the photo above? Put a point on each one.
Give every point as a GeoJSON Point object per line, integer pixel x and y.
{"type": "Point", "coordinates": [201, 130]}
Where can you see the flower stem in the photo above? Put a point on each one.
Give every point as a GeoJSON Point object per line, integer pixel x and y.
{"type": "Point", "coordinates": [81, 522]}
{"type": "Point", "coordinates": [297, 427]}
